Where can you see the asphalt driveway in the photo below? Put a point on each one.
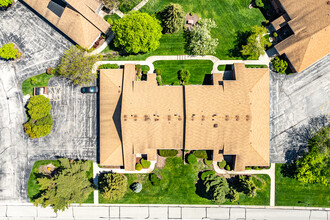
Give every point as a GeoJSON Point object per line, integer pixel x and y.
{"type": "Point", "coordinates": [299, 107]}
{"type": "Point", "coordinates": [74, 132]}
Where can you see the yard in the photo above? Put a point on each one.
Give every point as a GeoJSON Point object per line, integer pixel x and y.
{"type": "Point", "coordinates": [291, 192]}
{"type": "Point", "coordinates": [233, 18]}
{"type": "Point", "coordinates": [178, 186]}
{"type": "Point", "coordinates": [198, 70]}
{"type": "Point", "coordinates": [33, 187]}
{"type": "Point", "coordinates": [40, 80]}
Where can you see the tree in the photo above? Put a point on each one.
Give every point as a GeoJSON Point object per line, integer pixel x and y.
{"type": "Point", "coordinates": [279, 65]}
{"type": "Point", "coordinates": [314, 166]}
{"type": "Point", "coordinates": [68, 185]}
{"type": "Point", "coordinates": [5, 3]}
{"type": "Point", "coordinates": [247, 185]}
{"type": "Point", "coordinates": [113, 186]}
{"type": "Point", "coordinates": [137, 32]}
{"type": "Point", "coordinates": [222, 164]}
{"type": "Point", "coordinates": [38, 107]}
{"type": "Point", "coordinates": [77, 66]}
{"type": "Point", "coordinates": [7, 51]}
{"type": "Point", "coordinates": [201, 41]}
{"type": "Point", "coordinates": [256, 43]}
{"type": "Point", "coordinates": [40, 120]}
{"type": "Point", "coordinates": [184, 76]}
{"type": "Point", "coordinates": [259, 3]}
{"type": "Point", "coordinates": [192, 159]}
{"type": "Point", "coordinates": [172, 18]}
{"type": "Point", "coordinates": [111, 4]}
{"type": "Point", "coordinates": [216, 188]}
{"type": "Point", "coordinates": [232, 195]}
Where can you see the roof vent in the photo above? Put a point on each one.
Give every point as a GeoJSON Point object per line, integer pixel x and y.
{"type": "Point", "coordinates": [169, 117]}
{"type": "Point", "coordinates": [125, 117]}
{"type": "Point", "coordinates": [146, 117]}
{"type": "Point", "coordinates": [215, 125]}
{"type": "Point", "coordinates": [247, 117]}
{"type": "Point", "coordinates": [237, 117]}
{"type": "Point", "coordinates": [227, 117]}
{"type": "Point", "coordinates": [203, 117]}
{"type": "Point", "coordinates": [328, 2]}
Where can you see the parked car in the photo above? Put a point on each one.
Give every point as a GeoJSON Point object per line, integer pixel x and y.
{"type": "Point", "coordinates": [92, 89]}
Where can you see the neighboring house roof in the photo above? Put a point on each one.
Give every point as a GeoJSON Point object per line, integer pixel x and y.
{"type": "Point", "coordinates": [232, 116]}
{"type": "Point", "coordinates": [310, 22]}
{"type": "Point", "coordinates": [76, 19]}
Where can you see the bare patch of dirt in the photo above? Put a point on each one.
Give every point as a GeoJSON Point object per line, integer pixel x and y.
{"type": "Point", "coordinates": [47, 169]}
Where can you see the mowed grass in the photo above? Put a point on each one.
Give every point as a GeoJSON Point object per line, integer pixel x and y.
{"type": "Point", "coordinates": [198, 69]}
{"type": "Point", "coordinates": [41, 80]}
{"type": "Point", "coordinates": [178, 186]}
{"type": "Point", "coordinates": [33, 187]}
{"type": "Point", "coordinates": [170, 44]}
{"type": "Point", "coordinates": [291, 192]}
{"type": "Point", "coordinates": [230, 16]}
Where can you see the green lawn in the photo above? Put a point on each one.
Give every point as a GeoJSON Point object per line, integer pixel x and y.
{"type": "Point", "coordinates": [178, 186]}
{"type": "Point", "coordinates": [231, 17]}
{"type": "Point", "coordinates": [198, 69]}
{"type": "Point", "coordinates": [291, 192]}
{"type": "Point", "coordinates": [127, 5]}
{"type": "Point", "coordinates": [40, 80]}
{"type": "Point", "coordinates": [170, 44]}
{"type": "Point", "coordinates": [33, 187]}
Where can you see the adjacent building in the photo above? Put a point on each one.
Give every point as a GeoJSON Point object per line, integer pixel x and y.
{"type": "Point", "coordinates": [229, 118]}
{"type": "Point", "coordinates": [78, 20]}
{"type": "Point", "coordinates": [304, 31]}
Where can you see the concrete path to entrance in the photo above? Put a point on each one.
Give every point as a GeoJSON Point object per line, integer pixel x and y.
{"type": "Point", "coordinates": [189, 212]}
{"type": "Point", "coordinates": [270, 172]}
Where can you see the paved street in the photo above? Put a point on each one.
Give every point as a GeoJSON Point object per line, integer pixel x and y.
{"type": "Point", "coordinates": [116, 212]}
{"type": "Point", "coordinates": [298, 105]}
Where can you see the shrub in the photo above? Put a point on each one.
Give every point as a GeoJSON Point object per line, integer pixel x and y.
{"type": "Point", "coordinates": [138, 167]}
{"type": "Point", "coordinates": [248, 168]}
{"type": "Point", "coordinates": [259, 3]}
{"type": "Point", "coordinates": [200, 154]}
{"type": "Point", "coordinates": [208, 162]}
{"type": "Point", "coordinates": [206, 173]}
{"type": "Point", "coordinates": [275, 34]}
{"type": "Point", "coordinates": [279, 65]}
{"type": "Point", "coordinates": [184, 76]}
{"type": "Point", "coordinates": [154, 179]}
{"type": "Point", "coordinates": [145, 163]}
{"type": "Point", "coordinates": [232, 195]}
{"type": "Point", "coordinates": [227, 167]}
{"type": "Point", "coordinates": [136, 187]}
{"type": "Point", "coordinates": [33, 81]}
{"type": "Point", "coordinates": [158, 72]}
{"type": "Point", "coordinates": [38, 107]}
{"type": "Point", "coordinates": [192, 159]}
{"type": "Point", "coordinates": [5, 3]}
{"type": "Point", "coordinates": [222, 164]}
{"type": "Point", "coordinates": [167, 153]}
{"type": "Point", "coordinates": [110, 21]}
{"type": "Point", "coordinates": [109, 66]}
{"type": "Point", "coordinates": [159, 80]}
{"type": "Point", "coordinates": [113, 186]}
{"type": "Point", "coordinates": [7, 51]}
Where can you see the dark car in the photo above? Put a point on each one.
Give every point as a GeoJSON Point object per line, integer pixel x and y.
{"type": "Point", "coordinates": [92, 89]}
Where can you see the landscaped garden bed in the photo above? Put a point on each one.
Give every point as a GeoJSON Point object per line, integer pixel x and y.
{"type": "Point", "coordinates": [49, 168]}
{"type": "Point", "coordinates": [40, 80]}
{"type": "Point", "coordinates": [180, 183]}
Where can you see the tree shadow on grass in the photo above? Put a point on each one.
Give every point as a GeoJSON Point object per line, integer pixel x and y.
{"type": "Point", "coordinates": [240, 40]}
{"type": "Point", "coordinates": [187, 39]}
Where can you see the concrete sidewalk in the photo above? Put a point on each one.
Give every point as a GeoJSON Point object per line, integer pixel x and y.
{"type": "Point", "coordinates": [91, 212]}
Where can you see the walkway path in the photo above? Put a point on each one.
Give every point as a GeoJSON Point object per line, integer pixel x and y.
{"type": "Point", "coordinates": [270, 172]}
{"type": "Point", "coordinates": [189, 212]}
{"type": "Point", "coordinates": [263, 60]}
{"type": "Point", "coordinates": [140, 5]}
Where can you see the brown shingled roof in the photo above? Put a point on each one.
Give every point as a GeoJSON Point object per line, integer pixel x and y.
{"type": "Point", "coordinates": [310, 22]}
{"type": "Point", "coordinates": [79, 21]}
{"type": "Point", "coordinates": [232, 116]}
